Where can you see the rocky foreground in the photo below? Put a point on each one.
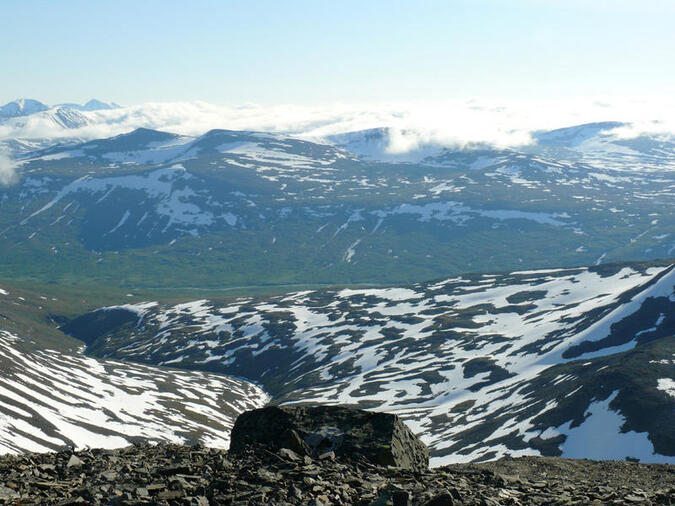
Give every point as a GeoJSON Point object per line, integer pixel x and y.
{"type": "Point", "coordinates": [194, 475]}
{"type": "Point", "coordinates": [319, 455]}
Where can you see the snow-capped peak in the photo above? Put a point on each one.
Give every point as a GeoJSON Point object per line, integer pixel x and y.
{"type": "Point", "coordinates": [21, 107]}
{"type": "Point", "coordinates": [91, 105]}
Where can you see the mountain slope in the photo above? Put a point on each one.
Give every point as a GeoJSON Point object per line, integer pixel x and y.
{"type": "Point", "coordinates": [247, 206]}
{"type": "Point", "coordinates": [480, 366]}
{"type": "Point", "coordinates": [21, 107]}
{"type": "Point", "coordinates": [52, 396]}
{"type": "Point", "coordinates": [91, 105]}
{"type": "Point", "coordinates": [575, 136]}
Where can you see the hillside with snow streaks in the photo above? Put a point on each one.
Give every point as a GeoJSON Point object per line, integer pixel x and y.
{"type": "Point", "coordinates": [247, 206]}
{"type": "Point", "coordinates": [50, 399]}
{"type": "Point", "coordinates": [481, 366]}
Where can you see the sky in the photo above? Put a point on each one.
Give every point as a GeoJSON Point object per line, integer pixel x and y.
{"type": "Point", "coordinates": [311, 52]}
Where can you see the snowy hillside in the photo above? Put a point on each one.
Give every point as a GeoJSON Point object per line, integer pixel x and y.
{"type": "Point", "coordinates": [51, 398]}
{"type": "Point", "coordinates": [115, 203]}
{"type": "Point", "coordinates": [29, 107]}
{"type": "Point", "coordinates": [21, 107]}
{"type": "Point", "coordinates": [91, 105]}
{"type": "Point", "coordinates": [27, 125]}
{"type": "Point", "coordinates": [480, 366]}
{"type": "Point", "coordinates": [608, 145]}
{"type": "Point", "coordinates": [38, 125]}
{"type": "Point", "coordinates": [386, 144]}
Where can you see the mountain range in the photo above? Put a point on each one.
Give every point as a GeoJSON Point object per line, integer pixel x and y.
{"type": "Point", "coordinates": [255, 208]}
{"type": "Point", "coordinates": [576, 362]}
{"type": "Point", "coordinates": [155, 283]}
{"type": "Point", "coordinates": [29, 106]}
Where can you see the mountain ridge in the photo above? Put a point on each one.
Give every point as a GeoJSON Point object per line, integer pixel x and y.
{"type": "Point", "coordinates": [476, 379]}
{"type": "Point", "coordinates": [28, 106]}
{"type": "Point", "coordinates": [148, 193]}
{"type": "Point", "coordinates": [21, 107]}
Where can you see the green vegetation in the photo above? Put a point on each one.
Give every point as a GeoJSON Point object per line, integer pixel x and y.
{"type": "Point", "coordinates": [255, 222]}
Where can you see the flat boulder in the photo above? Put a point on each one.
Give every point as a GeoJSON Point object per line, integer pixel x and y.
{"type": "Point", "coordinates": [381, 438]}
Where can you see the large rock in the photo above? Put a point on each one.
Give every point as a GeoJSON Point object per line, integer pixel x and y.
{"type": "Point", "coordinates": [381, 438]}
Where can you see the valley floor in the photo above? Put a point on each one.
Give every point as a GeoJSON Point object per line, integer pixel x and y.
{"type": "Point", "coordinates": [195, 475]}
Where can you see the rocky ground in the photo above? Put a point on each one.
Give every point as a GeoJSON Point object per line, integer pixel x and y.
{"type": "Point", "coordinates": [194, 475]}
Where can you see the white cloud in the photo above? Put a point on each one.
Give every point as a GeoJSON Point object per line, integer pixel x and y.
{"type": "Point", "coordinates": [449, 123]}
{"type": "Point", "coordinates": [8, 174]}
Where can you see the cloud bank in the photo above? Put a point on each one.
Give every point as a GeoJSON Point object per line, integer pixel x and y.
{"type": "Point", "coordinates": [453, 123]}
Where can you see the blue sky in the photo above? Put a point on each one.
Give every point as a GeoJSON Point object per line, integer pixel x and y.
{"type": "Point", "coordinates": [313, 52]}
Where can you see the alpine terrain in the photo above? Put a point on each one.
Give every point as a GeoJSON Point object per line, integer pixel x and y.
{"type": "Point", "coordinates": [503, 301]}
{"type": "Point", "coordinates": [253, 208]}
{"type": "Point", "coordinates": [575, 362]}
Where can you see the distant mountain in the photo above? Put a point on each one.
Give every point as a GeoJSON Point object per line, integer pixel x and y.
{"type": "Point", "coordinates": [139, 142]}
{"type": "Point", "coordinates": [39, 125]}
{"type": "Point", "coordinates": [574, 362]}
{"type": "Point", "coordinates": [387, 144]}
{"type": "Point", "coordinates": [60, 118]}
{"type": "Point", "coordinates": [574, 136]}
{"type": "Point", "coordinates": [144, 146]}
{"type": "Point", "coordinates": [119, 204]}
{"type": "Point", "coordinates": [92, 105]}
{"type": "Point", "coordinates": [65, 117]}
{"type": "Point", "coordinates": [604, 145]}
{"type": "Point", "coordinates": [596, 144]}
{"type": "Point", "coordinates": [372, 143]}
{"type": "Point", "coordinates": [21, 107]}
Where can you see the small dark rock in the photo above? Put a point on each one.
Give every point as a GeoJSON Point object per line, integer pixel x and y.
{"type": "Point", "coordinates": [400, 498]}
{"type": "Point", "coordinates": [443, 499]}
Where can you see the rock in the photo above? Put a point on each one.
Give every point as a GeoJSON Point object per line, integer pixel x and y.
{"type": "Point", "coordinates": [268, 476]}
{"type": "Point", "coordinates": [455, 493]}
{"type": "Point", "coordinates": [443, 499]}
{"type": "Point", "coordinates": [7, 494]}
{"type": "Point", "coordinates": [109, 475]}
{"type": "Point", "coordinates": [381, 438]}
{"type": "Point", "coordinates": [295, 492]}
{"type": "Point", "coordinates": [72, 501]}
{"type": "Point", "coordinates": [292, 440]}
{"type": "Point", "coordinates": [169, 495]}
{"type": "Point", "coordinates": [393, 496]}
{"type": "Point", "coordinates": [155, 488]}
{"type": "Point", "coordinates": [176, 469]}
{"type": "Point", "coordinates": [400, 498]}
{"type": "Point", "coordinates": [74, 462]}
{"type": "Point", "coordinates": [289, 454]}
{"type": "Point", "coordinates": [145, 474]}
{"type": "Point", "coordinates": [635, 498]}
